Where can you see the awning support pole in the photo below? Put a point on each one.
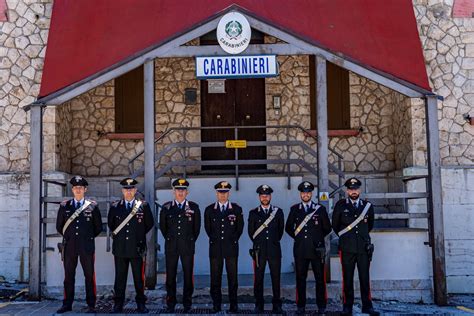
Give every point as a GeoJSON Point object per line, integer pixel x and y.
{"type": "Point", "coordinates": [435, 201]}
{"type": "Point", "coordinates": [323, 142]}
{"type": "Point", "coordinates": [149, 144]}
{"type": "Point", "coordinates": [36, 152]}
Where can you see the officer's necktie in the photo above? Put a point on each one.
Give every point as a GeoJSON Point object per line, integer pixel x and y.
{"type": "Point", "coordinates": [129, 206]}
{"type": "Point", "coordinates": [266, 211]}
{"type": "Point", "coordinates": [180, 207]}
{"type": "Point", "coordinates": [306, 208]}
{"type": "Point", "coordinates": [223, 208]}
{"type": "Point", "coordinates": [78, 205]}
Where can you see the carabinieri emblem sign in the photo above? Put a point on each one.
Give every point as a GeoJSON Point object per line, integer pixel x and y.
{"type": "Point", "coordinates": [234, 33]}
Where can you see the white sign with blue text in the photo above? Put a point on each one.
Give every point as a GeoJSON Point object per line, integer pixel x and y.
{"type": "Point", "coordinates": [228, 67]}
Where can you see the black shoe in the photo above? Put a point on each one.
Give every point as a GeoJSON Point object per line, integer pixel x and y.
{"type": "Point", "coordinates": [141, 308]}
{"type": "Point", "coordinates": [233, 309]}
{"type": "Point", "coordinates": [169, 310]}
{"type": "Point", "coordinates": [64, 309]}
{"type": "Point", "coordinates": [322, 311]}
{"type": "Point", "coordinates": [346, 311]}
{"type": "Point", "coordinates": [91, 310]}
{"type": "Point", "coordinates": [118, 308]}
{"type": "Point", "coordinates": [187, 309]}
{"type": "Point", "coordinates": [277, 309]}
{"type": "Point", "coordinates": [258, 309]}
{"type": "Point", "coordinates": [370, 311]}
{"type": "Point", "coordinates": [216, 309]}
{"type": "Point", "coordinates": [300, 311]}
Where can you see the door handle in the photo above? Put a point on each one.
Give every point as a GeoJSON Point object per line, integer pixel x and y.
{"type": "Point", "coordinates": [218, 116]}
{"type": "Point", "coordinates": [247, 117]}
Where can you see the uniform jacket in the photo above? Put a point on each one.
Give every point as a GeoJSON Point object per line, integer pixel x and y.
{"type": "Point", "coordinates": [80, 234]}
{"type": "Point", "coordinates": [268, 241]}
{"type": "Point", "coordinates": [358, 237]}
{"type": "Point", "coordinates": [180, 227]}
{"type": "Point", "coordinates": [313, 233]}
{"type": "Point", "coordinates": [130, 242]}
{"type": "Point", "coordinates": [224, 229]}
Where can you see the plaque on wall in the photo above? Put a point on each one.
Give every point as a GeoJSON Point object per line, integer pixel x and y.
{"type": "Point", "coordinates": [216, 85]}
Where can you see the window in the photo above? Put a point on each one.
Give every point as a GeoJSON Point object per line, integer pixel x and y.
{"type": "Point", "coordinates": [129, 102]}
{"type": "Point", "coordinates": [338, 96]}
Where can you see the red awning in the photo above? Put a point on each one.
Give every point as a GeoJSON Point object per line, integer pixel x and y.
{"type": "Point", "coordinates": [89, 36]}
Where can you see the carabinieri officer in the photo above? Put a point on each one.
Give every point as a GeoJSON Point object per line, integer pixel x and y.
{"type": "Point", "coordinates": [224, 224]}
{"type": "Point", "coordinates": [180, 223]}
{"type": "Point", "coordinates": [308, 224]}
{"type": "Point", "coordinates": [352, 221]}
{"type": "Point", "coordinates": [266, 225]}
{"type": "Point", "coordinates": [129, 221]}
{"type": "Point", "coordinates": [79, 222]}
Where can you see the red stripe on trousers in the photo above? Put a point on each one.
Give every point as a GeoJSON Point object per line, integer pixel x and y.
{"type": "Point", "coordinates": [94, 289]}
{"type": "Point", "coordinates": [296, 289]}
{"type": "Point", "coordinates": [325, 288]}
{"type": "Point", "coordinates": [254, 272]}
{"type": "Point", "coordinates": [342, 267]}
{"type": "Point", "coordinates": [143, 273]}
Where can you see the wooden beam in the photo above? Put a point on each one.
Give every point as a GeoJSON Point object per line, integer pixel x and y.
{"type": "Point", "coordinates": [435, 202]}
{"type": "Point", "coordinates": [323, 145]}
{"type": "Point", "coordinates": [322, 124]}
{"type": "Point", "coordinates": [216, 50]}
{"type": "Point", "coordinates": [36, 151]}
{"type": "Point", "coordinates": [149, 145]}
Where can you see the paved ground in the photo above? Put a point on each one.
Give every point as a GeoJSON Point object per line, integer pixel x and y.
{"type": "Point", "coordinates": [459, 305]}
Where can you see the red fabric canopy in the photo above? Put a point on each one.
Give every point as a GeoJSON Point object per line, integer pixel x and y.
{"type": "Point", "coordinates": [88, 36]}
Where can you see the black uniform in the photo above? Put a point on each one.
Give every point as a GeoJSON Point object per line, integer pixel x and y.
{"type": "Point", "coordinates": [180, 227]}
{"type": "Point", "coordinates": [129, 247]}
{"type": "Point", "coordinates": [224, 229]}
{"type": "Point", "coordinates": [353, 248]}
{"type": "Point", "coordinates": [305, 251]}
{"type": "Point", "coordinates": [79, 243]}
{"type": "Point", "coordinates": [267, 244]}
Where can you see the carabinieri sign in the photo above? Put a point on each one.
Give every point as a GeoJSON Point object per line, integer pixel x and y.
{"type": "Point", "coordinates": [228, 67]}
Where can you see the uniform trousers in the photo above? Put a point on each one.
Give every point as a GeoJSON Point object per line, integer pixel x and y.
{"type": "Point", "coordinates": [187, 262]}
{"type": "Point", "coordinates": [259, 272]}
{"type": "Point", "coordinates": [349, 261]}
{"type": "Point", "coordinates": [121, 274]}
{"type": "Point", "coordinates": [301, 269]}
{"type": "Point", "coordinates": [217, 264]}
{"type": "Point", "coordinates": [70, 264]}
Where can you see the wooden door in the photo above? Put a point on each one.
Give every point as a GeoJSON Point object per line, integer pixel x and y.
{"type": "Point", "coordinates": [242, 104]}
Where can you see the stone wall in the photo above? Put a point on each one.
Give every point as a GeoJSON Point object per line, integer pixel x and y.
{"type": "Point", "coordinates": [172, 77]}
{"type": "Point", "coordinates": [91, 152]}
{"type": "Point", "coordinates": [449, 55]}
{"type": "Point", "coordinates": [22, 49]}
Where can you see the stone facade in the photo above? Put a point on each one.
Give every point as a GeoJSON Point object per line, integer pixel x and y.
{"type": "Point", "coordinates": [449, 54]}
{"type": "Point", "coordinates": [22, 49]}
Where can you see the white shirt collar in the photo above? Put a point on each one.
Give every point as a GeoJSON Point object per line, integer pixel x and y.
{"type": "Point", "coordinates": [81, 201]}
{"type": "Point", "coordinates": [225, 204]}
{"type": "Point", "coordinates": [182, 203]}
